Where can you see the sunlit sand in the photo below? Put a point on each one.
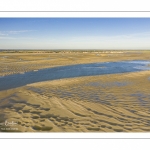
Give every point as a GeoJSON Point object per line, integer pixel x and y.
{"type": "Point", "coordinates": [104, 103]}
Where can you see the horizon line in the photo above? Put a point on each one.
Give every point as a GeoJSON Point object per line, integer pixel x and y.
{"type": "Point", "coordinates": [73, 49]}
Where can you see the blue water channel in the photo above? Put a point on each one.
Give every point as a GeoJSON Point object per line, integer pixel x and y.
{"type": "Point", "coordinates": [17, 80]}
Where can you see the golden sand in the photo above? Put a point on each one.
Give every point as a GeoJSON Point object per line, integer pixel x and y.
{"type": "Point", "coordinates": [106, 103]}
{"type": "Point", "coordinates": [12, 63]}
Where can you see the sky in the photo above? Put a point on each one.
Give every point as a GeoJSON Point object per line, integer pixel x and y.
{"type": "Point", "coordinates": [75, 33]}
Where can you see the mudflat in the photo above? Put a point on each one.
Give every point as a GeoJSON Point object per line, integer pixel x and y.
{"type": "Point", "coordinates": [104, 103]}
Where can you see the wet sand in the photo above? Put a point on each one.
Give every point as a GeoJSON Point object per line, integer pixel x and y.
{"type": "Point", "coordinates": [13, 63]}
{"type": "Point", "coordinates": [106, 103]}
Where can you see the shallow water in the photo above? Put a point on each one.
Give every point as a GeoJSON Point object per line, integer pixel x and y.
{"type": "Point", "coordinates": [17, 80]}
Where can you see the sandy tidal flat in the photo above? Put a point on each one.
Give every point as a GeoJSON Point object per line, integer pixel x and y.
{"type": "Point", "coordinates": [106, 103]}
{"type": "Point", "coordinates": [13, 63]}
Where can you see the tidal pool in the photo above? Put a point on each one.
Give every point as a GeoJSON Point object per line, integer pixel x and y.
{"type": "Point", "coordinates": [17, 80]}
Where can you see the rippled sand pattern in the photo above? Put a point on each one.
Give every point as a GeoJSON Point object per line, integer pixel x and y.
{"type": "Point", "coordinates": [107, 103]}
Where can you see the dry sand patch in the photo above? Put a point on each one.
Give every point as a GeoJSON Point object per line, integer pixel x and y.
{"type": "Point", "coordinates": [106, 103]}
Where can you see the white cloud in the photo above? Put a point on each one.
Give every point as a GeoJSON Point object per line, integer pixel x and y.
{"type": "Point", "coordinates": [2, 34]}
{"type": "Point", "coordinates": [6, 38]}
{"type": "Point", "coordinates": [8, 35]}
{"type": "Point", "coordinates": [18, 31]}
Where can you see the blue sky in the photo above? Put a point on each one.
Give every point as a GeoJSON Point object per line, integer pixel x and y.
{"type": "Point", "coordinates": [74, 33]}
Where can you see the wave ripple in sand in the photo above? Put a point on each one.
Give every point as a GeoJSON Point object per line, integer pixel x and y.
{"type": "Point", "coordinates": [110, 103]}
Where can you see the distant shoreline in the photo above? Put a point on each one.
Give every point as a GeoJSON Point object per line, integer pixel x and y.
{"type": "Point", "coordinates": [67, 50]}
